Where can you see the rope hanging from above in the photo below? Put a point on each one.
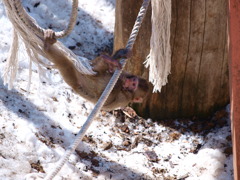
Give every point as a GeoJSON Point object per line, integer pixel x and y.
{"type": "Point", "coordinates": [159, 59]}
{"type": "Point", "coordinates": [26, 29]}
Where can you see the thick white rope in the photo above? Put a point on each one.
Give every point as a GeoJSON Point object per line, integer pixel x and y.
{"type": "Point", "coordinates": [24, 17]}
{"type": "Point", "coordinates": [159, 59]}
{"type": "Point", "coordinates": [32, 36]}
{"type": "Point", "coordinates": [12, 62]}
{"type": "Point", "coordinates": [104, 95]}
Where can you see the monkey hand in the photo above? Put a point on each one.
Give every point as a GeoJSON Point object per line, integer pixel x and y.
{"type": "Point", "coordinates": [49, 38]}
{"type": "Point", "coordinates": [111, 62]}
{"type": "Point", "coordinates": [122, 53]}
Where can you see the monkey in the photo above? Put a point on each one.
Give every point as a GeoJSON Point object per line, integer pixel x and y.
{"type": "Point", "coordinates": [128, 89]}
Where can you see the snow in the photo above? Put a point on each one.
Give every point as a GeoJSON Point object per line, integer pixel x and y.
{"type": "Point", "coordinates": [37, 127]}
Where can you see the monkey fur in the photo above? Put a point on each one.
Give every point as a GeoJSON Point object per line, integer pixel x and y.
{"type": "Point", "coordinates": [129, 88]}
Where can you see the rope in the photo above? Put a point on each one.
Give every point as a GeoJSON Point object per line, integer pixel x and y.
{"type": "Point", "coordinates": [12, 61]}
{"type": "Point", "coordinates": [159, 58]}
{"type": "Point", "coordinates": [104, 95]}
{"type": "Point", "coordinates": [21, 12]}
{"type": "Point", "coordinates": [26, 28]}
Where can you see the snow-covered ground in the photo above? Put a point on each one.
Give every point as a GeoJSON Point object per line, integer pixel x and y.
{"type": "Point", "coordinates": [37, 127]}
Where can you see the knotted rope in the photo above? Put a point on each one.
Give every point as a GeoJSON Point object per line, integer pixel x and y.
{"type": "Point", "coordinates": [24, 17]}
{"type": "Point", "coordinates": [104, 95]}
{"type": "Point", "coordinates": [32, 35]}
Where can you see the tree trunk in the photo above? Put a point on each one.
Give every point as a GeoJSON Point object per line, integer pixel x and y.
{"type": "Point", "coordinates": [198, 83]}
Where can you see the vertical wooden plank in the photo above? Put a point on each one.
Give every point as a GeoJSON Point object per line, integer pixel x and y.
{"type": "Point", "coordinates": [234, 67]}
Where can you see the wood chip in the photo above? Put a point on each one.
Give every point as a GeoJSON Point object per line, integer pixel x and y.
{"type": "Point", "coordinates": [152, 156]}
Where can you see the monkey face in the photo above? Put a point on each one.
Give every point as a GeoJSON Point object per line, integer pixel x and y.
{"type": "Point", "coordinates": [142, 90]}
{"type": "Point", "coordinates": [137, 86]}
{"type": "Point", "coordinates": [131, 83]}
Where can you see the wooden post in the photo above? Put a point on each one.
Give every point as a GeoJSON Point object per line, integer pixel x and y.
{"type": "Point", "coordinates": [199, 83]}
{"type": "Point", "coordinates": [234, 67]}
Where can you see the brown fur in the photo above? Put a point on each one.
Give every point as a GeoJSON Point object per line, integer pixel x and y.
{"type": "Point", "coordinates": [91, 87]}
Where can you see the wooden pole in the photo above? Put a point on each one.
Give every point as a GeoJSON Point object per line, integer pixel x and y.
{"type": "Point", "coordinates": [234, 69]}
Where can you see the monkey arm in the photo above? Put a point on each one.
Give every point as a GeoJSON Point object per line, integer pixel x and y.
{"type": "Point", "coordinates": [99, 65]}
{"type": "Point", "coordinates": [118, 99]}
{"type": "Point", "coordinates": [122, 53]}
{"type": "Point", "coordinates": [105, 63]}
{"type": "Point", "coordinates": [62, 62]}
{"type": "Point", "coordinates": [60, 59]}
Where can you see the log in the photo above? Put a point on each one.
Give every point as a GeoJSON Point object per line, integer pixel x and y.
{"type": "Point", "coordinates": [198, 83]}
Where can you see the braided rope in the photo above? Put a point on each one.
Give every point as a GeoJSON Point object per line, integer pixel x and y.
{"type": "Point", "coordinates": [23, 16]}
{"type": "Point", "coordinates": [104, 95]}
{"type": "Point", "coordinates": [24, 26]}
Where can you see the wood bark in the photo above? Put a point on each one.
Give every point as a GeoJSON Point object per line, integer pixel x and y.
{"type": "Point", "coordinates": [198, 83]}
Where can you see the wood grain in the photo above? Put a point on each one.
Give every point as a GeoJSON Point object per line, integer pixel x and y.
{"type": "Point", "coordinates": [198, 83]}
